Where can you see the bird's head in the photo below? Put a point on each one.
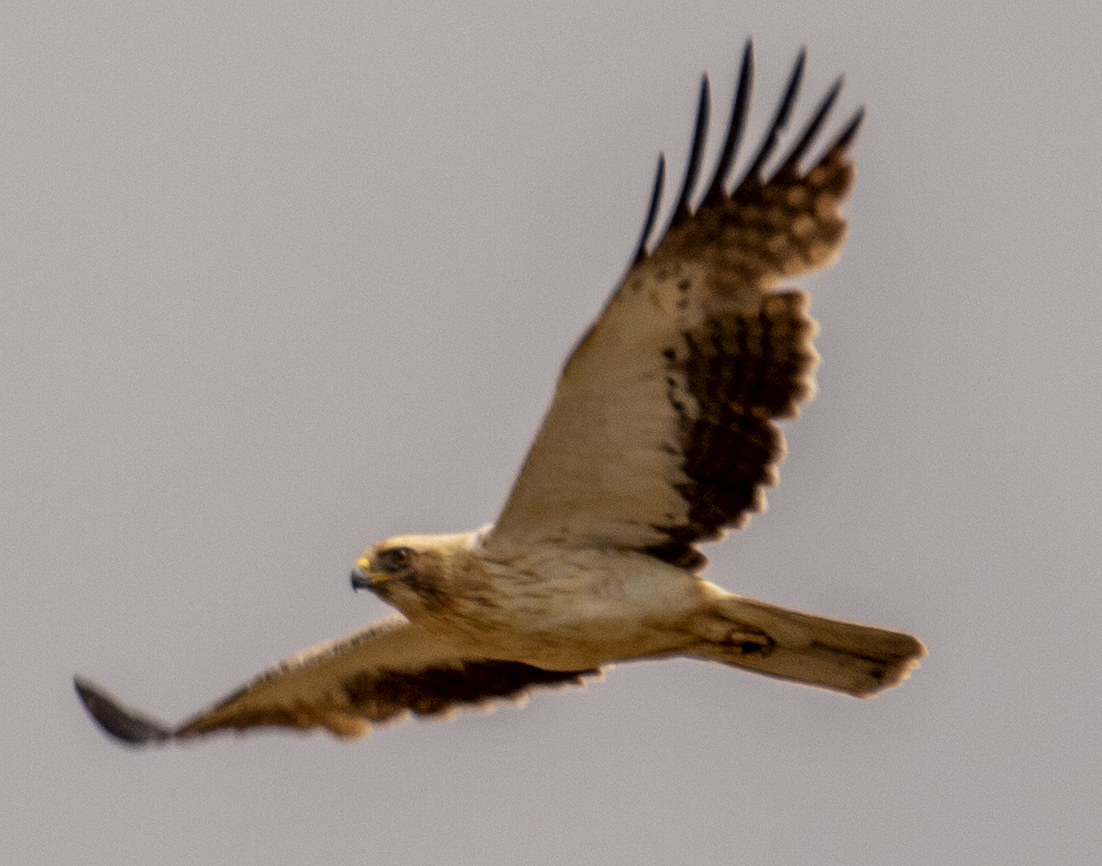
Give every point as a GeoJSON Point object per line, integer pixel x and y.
{"type": "Point", "coordinates": [413, 572]}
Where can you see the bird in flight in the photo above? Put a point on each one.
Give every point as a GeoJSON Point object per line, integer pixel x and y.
{"type": "Point", "coordinates": [662, 435]}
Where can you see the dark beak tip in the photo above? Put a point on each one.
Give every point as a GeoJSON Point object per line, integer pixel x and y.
{"type": "Point", "coordinates": [358, 582]}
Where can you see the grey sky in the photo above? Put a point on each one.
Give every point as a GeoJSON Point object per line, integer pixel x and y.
{"type": "Point", "coordinates": [277, 281]}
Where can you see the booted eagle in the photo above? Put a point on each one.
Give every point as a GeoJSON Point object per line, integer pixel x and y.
{"type": "Point", "coordinates": [662, 435]}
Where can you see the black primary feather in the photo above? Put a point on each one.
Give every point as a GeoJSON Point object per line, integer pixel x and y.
{"type": "Point", "coordinates": [716, 192]}
{"type": "Point", "coordinates": [682, 210]}
{"type": "Point", "coordinates": [780, 119]}
{"type": "Point", "coordinates": [790, 164]}
{"type": "Point", "coordinates": [652, 211]}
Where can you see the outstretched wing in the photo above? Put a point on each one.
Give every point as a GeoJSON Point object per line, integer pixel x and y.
{"type": "Point", "coordinates": [661, 433]}
{"type": "Point", "coordinates": [379, 675]}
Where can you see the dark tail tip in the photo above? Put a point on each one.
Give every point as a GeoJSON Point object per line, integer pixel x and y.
{"type": "Point", "coordinates": [123, 723]}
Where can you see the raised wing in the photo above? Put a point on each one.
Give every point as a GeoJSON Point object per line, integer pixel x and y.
{"type": "Point", "coordinates": [661, 433]}
{"type": "Point", "coordinates": [379, 675]}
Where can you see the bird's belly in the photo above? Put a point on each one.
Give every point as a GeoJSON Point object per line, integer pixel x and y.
{"type": "Point", "coordinates": [571, 610]}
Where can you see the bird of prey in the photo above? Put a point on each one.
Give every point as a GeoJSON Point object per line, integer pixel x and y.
{"type": "Point", "coordinates": [662, 435]}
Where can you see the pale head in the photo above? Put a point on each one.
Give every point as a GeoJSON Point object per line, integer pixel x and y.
{"type": "Point", "coordinates": [412, 572]}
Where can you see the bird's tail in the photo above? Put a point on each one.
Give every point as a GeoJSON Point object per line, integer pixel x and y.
{"type": "Point", "coordinates": [859, 660]}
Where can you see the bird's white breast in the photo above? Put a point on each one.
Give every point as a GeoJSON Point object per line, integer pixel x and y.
{"type": "Point", "coordinates": [567, 609]}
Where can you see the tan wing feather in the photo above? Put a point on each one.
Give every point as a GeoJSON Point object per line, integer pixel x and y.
{"type": "Point", "coordinates": [379, 675]}
{"type": "Point", "coordinates": [660, 433]}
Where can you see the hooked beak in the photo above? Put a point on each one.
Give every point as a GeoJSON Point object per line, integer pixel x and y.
{"type": "Point", "coordinates": [363, 577]}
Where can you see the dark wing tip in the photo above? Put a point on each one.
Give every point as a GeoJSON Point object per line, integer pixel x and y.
{"type": "Point", "coordinates": [790, 164]}
{"type": "Point", "coordinates": [683, 209]}
{"type": "Point", "coordinates": [780, 120]}
{"type": "Point", "coordinates": [129, 726]}
{"type": "Point", "coordinates": [716, 192]}
{"type": "Point", "coordinates": [754, 175]}
{"type": "Point", "coordinates": [652, 211]}
{"type": "Point", "coordinates": [847, 135]}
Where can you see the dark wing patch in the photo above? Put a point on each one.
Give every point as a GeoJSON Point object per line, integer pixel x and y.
{"type": "Point", "coordinates": [726, 383]}
{"type": "Point", "coordinates": [440, 691]}
{"type": "Point", "coordinates": [379, 675]}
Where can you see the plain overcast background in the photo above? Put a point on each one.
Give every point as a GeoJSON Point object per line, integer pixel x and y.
{"type": "Point", "coordinates": [280, 279]}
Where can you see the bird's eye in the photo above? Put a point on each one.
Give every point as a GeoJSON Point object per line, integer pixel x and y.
{"type": "Point", "coordinates": [397, 558]}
